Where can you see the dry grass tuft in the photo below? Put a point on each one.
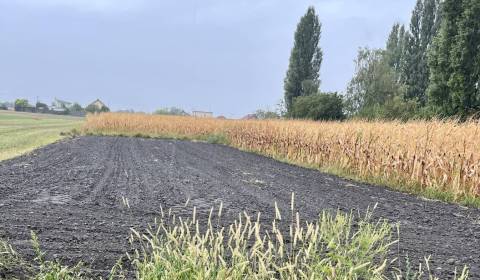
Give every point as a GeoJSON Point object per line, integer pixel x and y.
{"type": "Point", "coordinates": [329, 248]}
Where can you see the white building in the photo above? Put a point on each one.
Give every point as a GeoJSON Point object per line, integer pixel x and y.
{"type": "Point", "coordinates": [202, 114]}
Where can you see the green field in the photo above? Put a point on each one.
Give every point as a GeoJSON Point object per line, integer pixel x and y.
{"type": "Point", "coordinates": [23, 132]}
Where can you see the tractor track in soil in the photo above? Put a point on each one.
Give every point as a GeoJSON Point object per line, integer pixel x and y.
{"type": "Point", "coordinates": [70, 193]}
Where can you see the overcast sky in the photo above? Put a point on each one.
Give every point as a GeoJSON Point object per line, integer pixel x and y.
{"type": "Point", "coordinates": [229, 57]}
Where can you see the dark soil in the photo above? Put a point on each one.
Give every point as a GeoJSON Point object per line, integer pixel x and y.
{"type": "Point", "coordinates": [71, 192]}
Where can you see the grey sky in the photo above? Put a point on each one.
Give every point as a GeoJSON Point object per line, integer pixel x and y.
{"type": "Point", "coordinates": [229, 57]}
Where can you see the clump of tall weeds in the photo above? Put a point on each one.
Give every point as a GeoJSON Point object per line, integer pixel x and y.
{"type": "Point", "coordinates": [336, 246]}
{"type": "Point", "coordinates": [10, 261]}
{"type": "Point", "coordinates": [13, 266]}
{"type": "Point", "coordinates": [423, 271]}
{"type": "Point", "coordinates": [52, 270]}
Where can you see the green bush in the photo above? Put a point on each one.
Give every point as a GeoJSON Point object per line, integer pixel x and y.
{"type": "Point", "coordinates": [173, 111]}
{"type": "Point", "coordinates": [319, 106]}
{"type": "Point", "coordinates": [76, 108]}
{"type": "Point", "coordinates": [93, 109]}
{"type": "Point", "coordinates": [266, 114]}
{"type": "Point", "coordinates": [217, 139]}
{"type": "Point", "coordinates": [21, 104]}
{"type": "Point", "coordinates": [394, 109]}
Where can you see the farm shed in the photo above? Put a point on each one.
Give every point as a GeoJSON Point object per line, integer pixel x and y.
{"type": "Point", "coordinates": [202, 114]}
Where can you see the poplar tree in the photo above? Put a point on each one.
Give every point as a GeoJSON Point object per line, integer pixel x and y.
{"type": "Point", "coordinates": [303, 74]}
{"type": "Point", "coordinates": [394, 52]}
{"type": "Point", "coordinates": [423, 28]}
{"type": "Point", "coordinates": [465, 61]}
{"type": "Point", "coordinates": [455, 60]}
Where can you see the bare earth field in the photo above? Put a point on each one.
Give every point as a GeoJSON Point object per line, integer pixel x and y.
{"type": "Point", "coordinates": [71, 193]}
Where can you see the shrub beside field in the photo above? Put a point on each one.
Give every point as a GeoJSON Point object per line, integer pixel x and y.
{"type": "Point", "coordinates": [438, 159]}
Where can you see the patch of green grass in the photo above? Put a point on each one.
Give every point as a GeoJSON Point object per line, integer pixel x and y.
{"type": "Point", "coordinates": [23, 132]}
{"type": "Point", "coordinates": [217, 138]}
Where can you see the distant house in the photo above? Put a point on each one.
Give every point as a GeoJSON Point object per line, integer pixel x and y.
{"type": "Point", "coordinates": [202, 114]}
{"type": "Point", "coordinates": [97, 106]}
{"type": "Point", "coordinates": [57, 103]}
{"type": "Point", "coordinates": [250, 117]}
{"type": "Point", "coordinates": [60, 106]}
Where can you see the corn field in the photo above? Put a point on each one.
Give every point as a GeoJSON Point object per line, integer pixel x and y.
{"type": "Point", "coordinates": [418, 156]}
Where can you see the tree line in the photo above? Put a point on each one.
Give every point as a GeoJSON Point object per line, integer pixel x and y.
{"type": "Point", "coordinates": [430, 68]}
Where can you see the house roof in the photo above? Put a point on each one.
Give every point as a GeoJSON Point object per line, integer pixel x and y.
{"type": "Point", "coordinates": [250, 117]}
{"type": "Point", "coordinates": [98, 100]}
{"type": "Point", "coordinates": [62, 101]}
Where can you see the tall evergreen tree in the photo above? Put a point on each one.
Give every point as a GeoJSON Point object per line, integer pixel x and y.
{"type": "Point", "coordinates": [413, 64]}
{"type": "Point", "coordinates": [430, 20]}
{"type": "Point", "coordinates": [394, 52]}
{"type": "Point", "coordinates": [392, 46]}
{"type": "Point", "coordinates": [465, 55]}
{"type": "Point", "coordinates": [402, 48]}
{"type": "Point", "coordinates": [455, 60]}
{"type": "Point", "coordinates": [423, 28]}
{"type": "Point", "coordinates": [303, 74]}
{"type": "Point", "coordinates": [392, 41]}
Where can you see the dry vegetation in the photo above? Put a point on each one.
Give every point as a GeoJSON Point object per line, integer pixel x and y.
{"type": "Point", "coordinates": [329, 248]}
{"type": "Point", "coordinates": [439, 159]}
